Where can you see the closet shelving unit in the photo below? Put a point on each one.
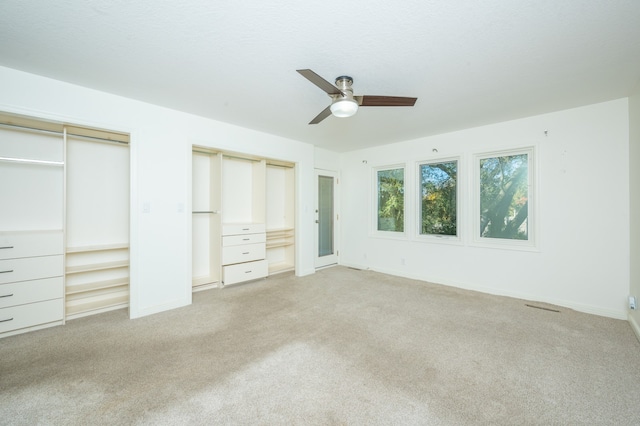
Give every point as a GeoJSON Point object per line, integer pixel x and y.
{"type": "Point", "coordinates": [96, 285]}
{"type": "Point", "coordinates": [280, 216]}
{"type": "Point", "coordinates": [205, 219]}
{"type": "Point", "coordinates": [252, 232]}
{"type": "Point", "coordinates": [31, 225]}
{"type": "Point", "coordinates": [97, 223]}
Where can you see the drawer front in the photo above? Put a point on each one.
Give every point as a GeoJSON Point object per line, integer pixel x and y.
{"type": "Point", "coordinates": [27, 244]}
{"type": "Point", "coordinates": [17, 317]}
{"type": "Point", "coordinates": [30, 268]}
{"type": "Point", "coordinates": [236, 240]}
{"type": "Point", "coordinates": [244, 253]}
{"type": "Point", "coordinates": [31, 291]}
{"type": "Point", "coordinates": [244, 272]}
{"type": "Point", "coordinates": [242, 228]}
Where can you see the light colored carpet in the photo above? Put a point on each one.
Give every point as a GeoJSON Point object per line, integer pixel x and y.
{"type": "Point", "coordinates": [339, 347]}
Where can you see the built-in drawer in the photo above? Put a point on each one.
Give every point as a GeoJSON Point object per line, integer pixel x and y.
{"type": "Point", "coordinates": [244, 272]}
{"type": "Point", "coordinates": [30, 243]}
{"type": "Point", "coordinates": [242, 228]}
{"type": "Point", "coordinates": [30, 268]}
{"type": "Point", "coordinates": [236, 240]}
{"type": "Point", "coordinates": [31, 291]}
{"type": "Point", "coordinates": [22, 316]}
{"type": "Point", "coordinates": [243, 253]}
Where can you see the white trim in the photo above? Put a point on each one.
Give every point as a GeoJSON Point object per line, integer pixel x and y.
{"type": "Point", "coordinates": [634, 325]}
{"type": "Point", "coordinates": [589, 309]}
{"type": "Point", "coordinates": [179, 303]}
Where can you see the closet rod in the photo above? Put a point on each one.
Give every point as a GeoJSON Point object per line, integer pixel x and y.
{"type": "Point", "coordinates": [237, 157]}
{"type": "Point", "coordinates": [31, 161]}
{"type": "Point", "coordinates": [97, 139]}
{"type": "Point", "coordinates": [282, 166]}
{"type": "Point", "coordinates": [56, 132]}
{"type": "Point", "coordinates": [205, 212]}
{"type": "Point", "coordinates": [34, 129]}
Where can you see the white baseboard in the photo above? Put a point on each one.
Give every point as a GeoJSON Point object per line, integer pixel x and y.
{"type": "Point", "coordinates": [634, 326]}
{"type": "Point", "coordinates": [589, 309]}
{"type": "Point", "coordinates": [159, 308]}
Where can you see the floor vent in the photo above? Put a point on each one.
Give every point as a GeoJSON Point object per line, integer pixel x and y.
{"type": "Point", "coordinates": [541, 307]}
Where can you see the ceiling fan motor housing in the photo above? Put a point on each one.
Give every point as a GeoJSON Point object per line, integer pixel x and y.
{"type": "Point", "coordinates": [344, 105]}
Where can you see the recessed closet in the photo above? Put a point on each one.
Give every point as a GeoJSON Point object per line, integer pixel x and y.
{"type": "Point", "coordinates": [243, 217]}
{"type": "Point", "coordinates": [64, 222]}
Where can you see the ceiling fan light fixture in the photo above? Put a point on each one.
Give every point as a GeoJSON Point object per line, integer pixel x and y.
{"type": "Point", "coordinates": [344, 107]}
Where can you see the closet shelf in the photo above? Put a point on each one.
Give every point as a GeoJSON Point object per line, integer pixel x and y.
{"type": "Point", "coordinates": [277, 230]}
{"type": "Point", "coordinates": [279, 243]}
{"type": "Point", "coordinates": [85, 306]}
{"type": "Point", "coordinates": [97, 267]}
{"type": "Point", "coordinates": [278, 267]}
{"type": "Point", "coordinates": [98, 285]}
{"type": "Point", "coordinates": [104, 247]}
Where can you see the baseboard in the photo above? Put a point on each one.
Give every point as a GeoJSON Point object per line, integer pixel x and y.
{"type": "Point", "coordinates": [634, 326]}
{"type": "Point", "coordinates": [589, 309]}
{"type": "Point", "coordinates": [159, 308]}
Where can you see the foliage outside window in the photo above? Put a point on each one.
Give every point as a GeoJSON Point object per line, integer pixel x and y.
{"type": "Point", "coordinates": [438, 193]}
{"type": "Point", "coordinates": [390, 200]}
{"type": "Point", "coordinates": [504, 196]}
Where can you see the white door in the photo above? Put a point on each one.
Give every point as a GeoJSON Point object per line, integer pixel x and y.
{"type": "Point", "coordinates": [326, 218]}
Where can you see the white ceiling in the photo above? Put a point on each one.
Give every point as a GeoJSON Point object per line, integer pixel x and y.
{"type": "Point", "coordinates": [469, 62]}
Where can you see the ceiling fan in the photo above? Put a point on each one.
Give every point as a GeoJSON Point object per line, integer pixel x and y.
{"type": "Point", "coordinates": [343, 102]}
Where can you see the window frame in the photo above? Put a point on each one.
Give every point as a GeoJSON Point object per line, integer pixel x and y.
{"type": "Point", "coordinates": [374, 202]}
{"type": "Point", "coordinates": [438, 238]}
{"type": "Point", "coordinates": [531, 243]}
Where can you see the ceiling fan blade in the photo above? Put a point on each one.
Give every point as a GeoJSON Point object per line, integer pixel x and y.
{"type": "Point", "coordinates": [324, 114]}
{"type": "Point", "coordinates": [320, 82]}
{"type": "Point", "coordinates": [368, 100]}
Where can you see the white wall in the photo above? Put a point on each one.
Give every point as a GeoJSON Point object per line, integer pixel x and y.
{"type": "Point", "coordinates": [326, 160]}
{"type": "Point", "coordinates": [582, 259]}
{"type": "Point", "coordinates": [634, 181]}
{"type": "Point", "coordinates": [161, 142]}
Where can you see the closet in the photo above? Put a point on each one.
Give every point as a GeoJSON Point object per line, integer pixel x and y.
{"type": "Point", "coordinates": [64, 222]}
{"type": "Point", "coordinates": [97, 222]}
{"type": "Point", "coordinates": [243, 218]}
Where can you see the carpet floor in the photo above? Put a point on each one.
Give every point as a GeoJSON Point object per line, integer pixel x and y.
{"type": "Point", "coordinates": [340, 347]}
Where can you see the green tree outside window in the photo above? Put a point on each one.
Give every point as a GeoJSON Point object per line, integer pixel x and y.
{"type": "Point", "coordinates": [391, 200]}
{"type": "Point", "coordinates": [438, 185]}
{"type": "Point", "coordinates": [504, 197]}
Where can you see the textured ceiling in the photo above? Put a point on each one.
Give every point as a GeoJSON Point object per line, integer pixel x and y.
{"type": "Point", "coordinates": [469, 62]}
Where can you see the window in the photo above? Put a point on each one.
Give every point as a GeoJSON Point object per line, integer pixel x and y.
{"type": "Point", "coordinates": [505, 196]}
{"type": "Point", "coordinates": [439, 198]}
{"type": "Point", "coordinates": [390, 199]}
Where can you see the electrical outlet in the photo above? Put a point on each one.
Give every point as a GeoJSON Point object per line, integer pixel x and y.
{"type": "Point", "coordinates": [632, 302]}
{"type": "Point", "coordinates": [402, 262]}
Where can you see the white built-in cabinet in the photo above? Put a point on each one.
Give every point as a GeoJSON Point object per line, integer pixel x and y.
{"type": "Point", "coordinates": [64, 227]}
{"type": "Point", "coordinates": [243, 218]}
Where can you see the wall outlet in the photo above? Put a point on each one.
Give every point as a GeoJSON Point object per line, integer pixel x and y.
{"type": "Point", "coordinates": [402, 261]}
{"type": "Point", "coordinates": [632, 302]}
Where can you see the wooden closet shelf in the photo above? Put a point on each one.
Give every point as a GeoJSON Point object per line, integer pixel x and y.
{"type": "Point", "coordinates": [278, 267]}
{"type": "Point", "coordinates": [98, 285]}
{"type": "Point", "coordinates": [279, 243]}
{"type": "Point", "coordinates": [280, 230]}
{"type": "Point", "coordinates": [97, 267]}
{"type": "Point", "coordinates": [104, 247]}
{"type": "Point", "coordinates": [77, 310]}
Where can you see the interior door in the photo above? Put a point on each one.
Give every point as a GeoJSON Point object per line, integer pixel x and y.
{"type": "Point", "coordinates": [326, 218]}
